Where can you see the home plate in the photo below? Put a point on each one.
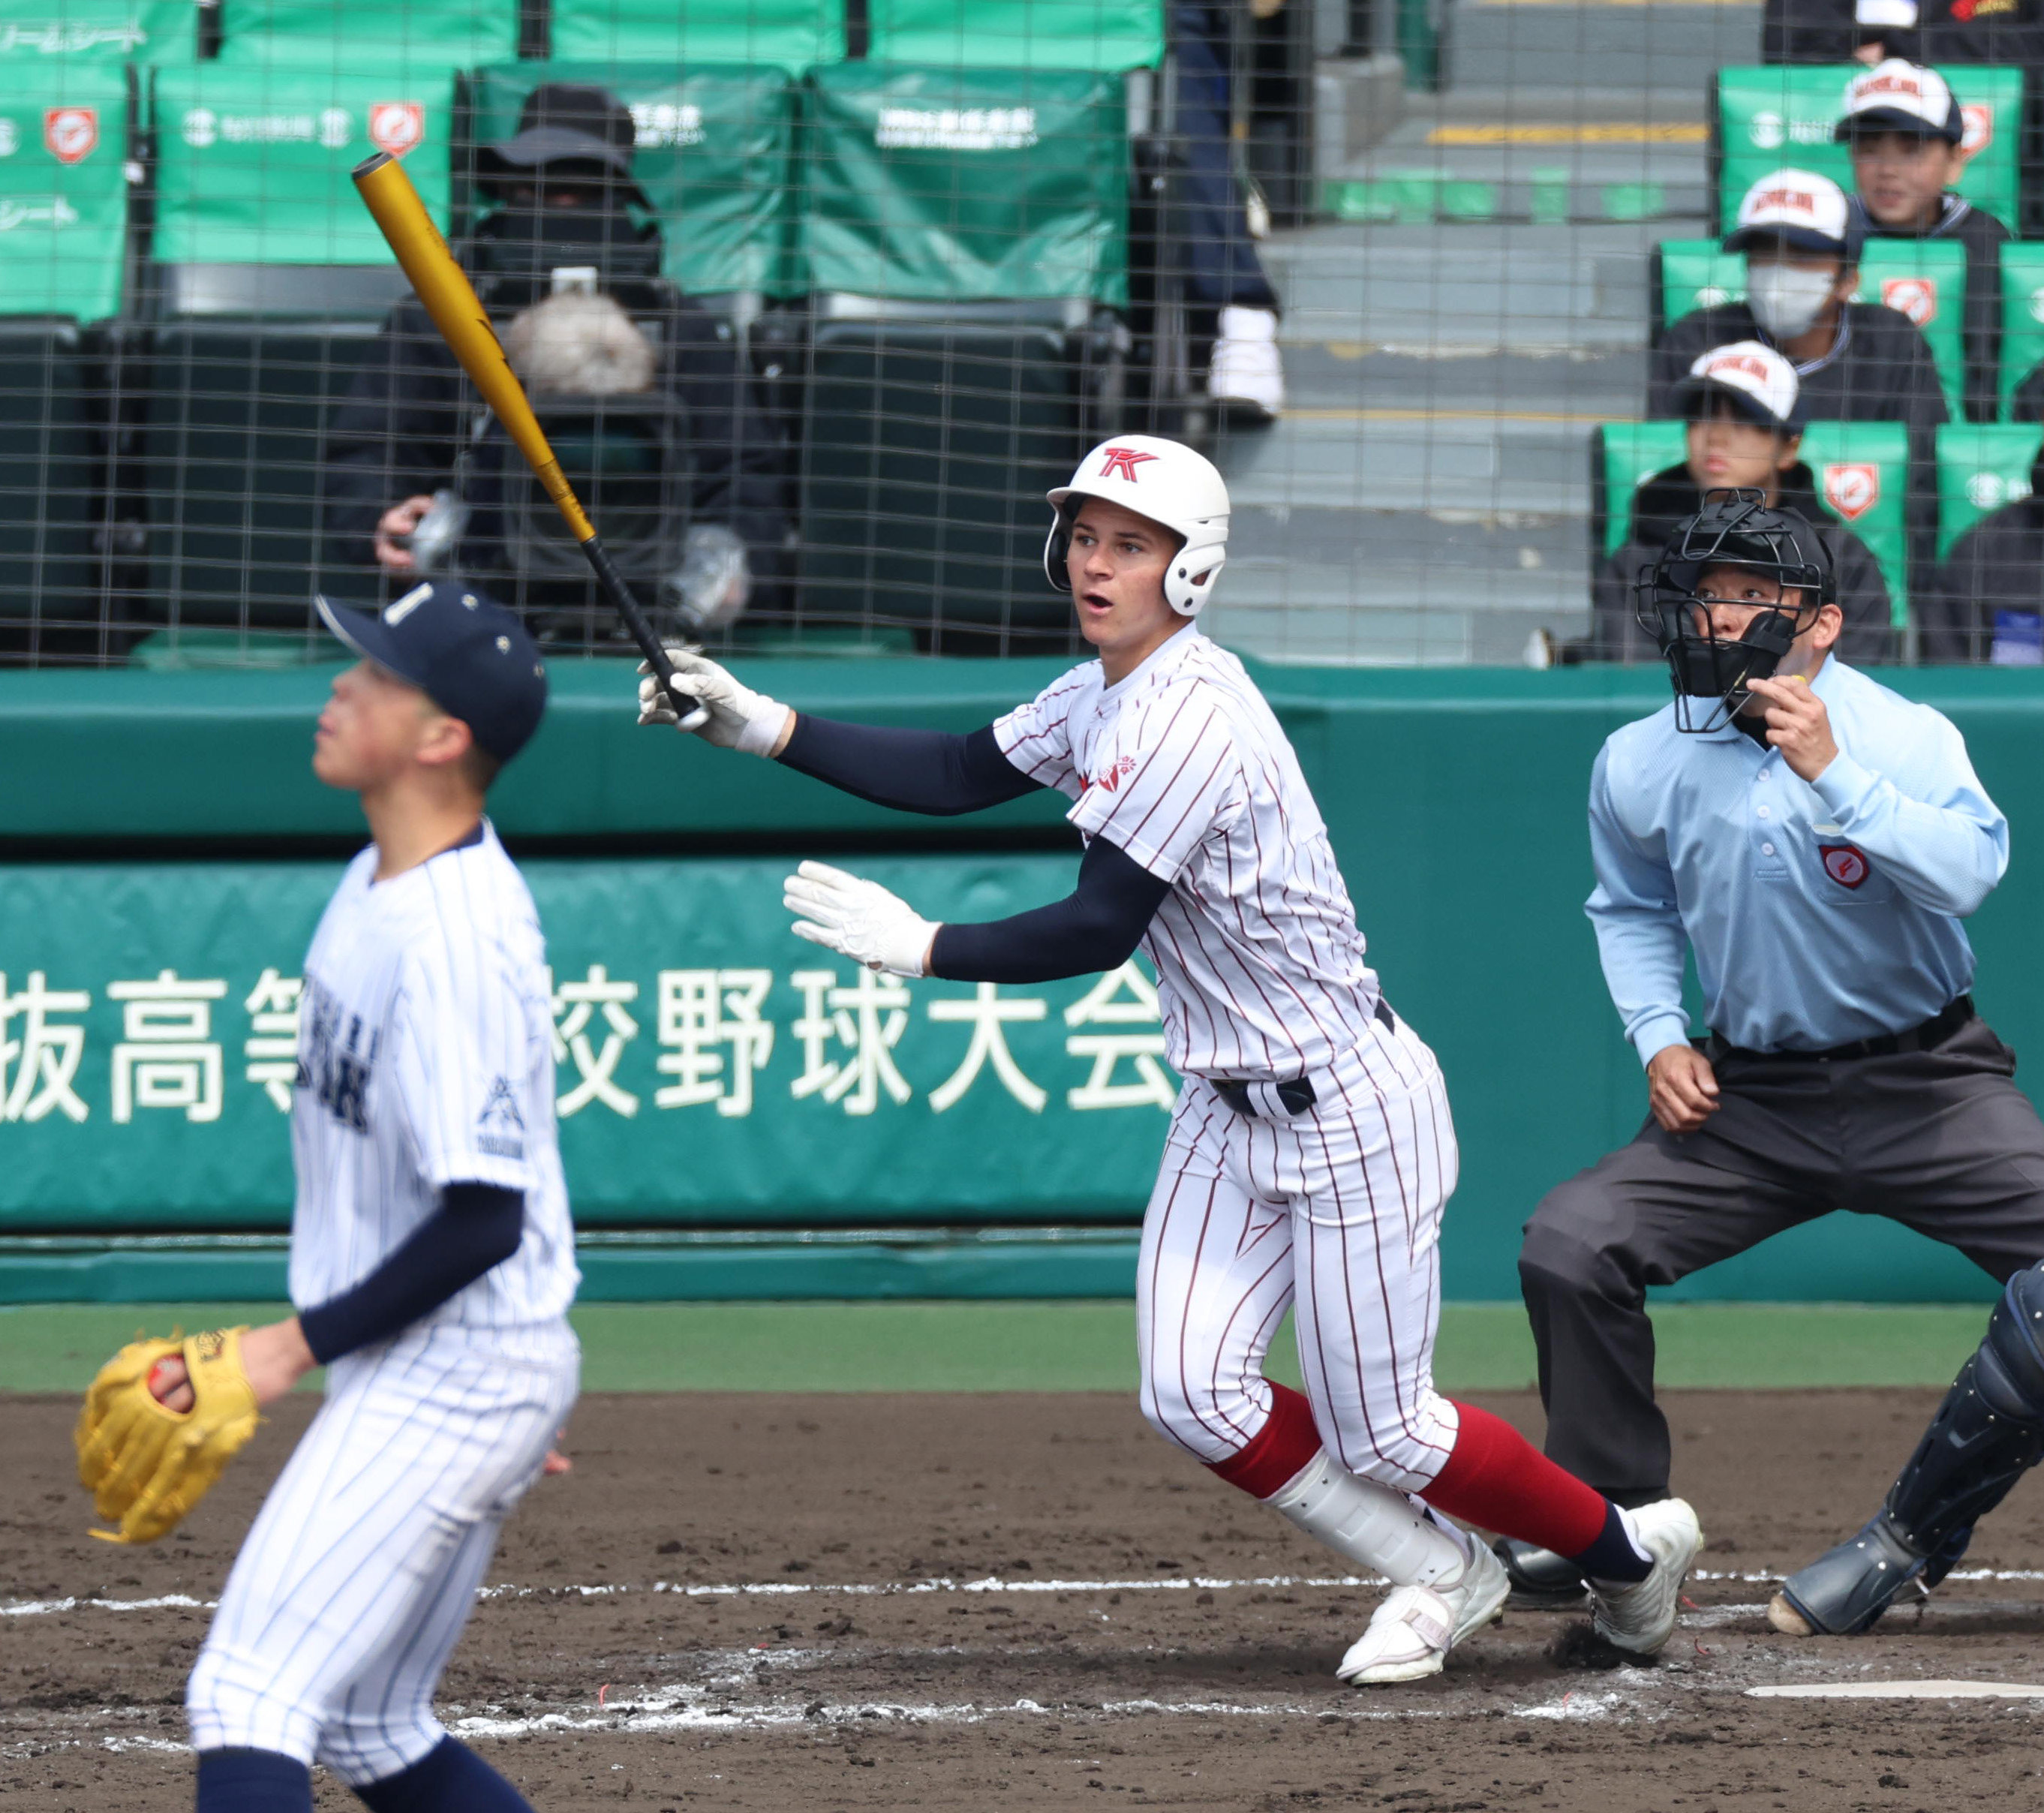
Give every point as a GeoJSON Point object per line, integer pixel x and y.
{"type": "Point", "coordinates": [1902, 1690]}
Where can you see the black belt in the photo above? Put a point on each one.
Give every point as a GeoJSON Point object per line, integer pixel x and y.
{"type": "Point", "coordinates": [1932, 1033]}
{"type": "Point", "coordinates": [1295, 1096]}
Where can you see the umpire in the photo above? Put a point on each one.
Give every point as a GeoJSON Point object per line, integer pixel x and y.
{"type": "Point", "coordinates": [1814, 841]}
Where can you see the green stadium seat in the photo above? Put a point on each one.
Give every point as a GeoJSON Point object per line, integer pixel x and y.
{"type": "Point", "coordinates": [965, 185]}
{"type": "Point", "coordinates": [2021, 316]}
{"type": "Point", "coordinates": [715, 156]}
{"type": "Point", "coordinates": [1861, 471]}
{"type": "Point", "coordinates": [1018, 34]}
{"type": "Point", "coordinates": [790, 35]}
{"type": "Point", "coordinates": [63, 189]}
{"type": "Point", "coordinates": [253, 163]}
{"type": "Point", "coordinates": [101, 31]}
{"type": "Point", "coordinates": [366, 37]}
{"type": "Point", "coordinates": [51, 477]}
{"type": "Point", "coordinates": [1979, 470]}
{"type": "Point", "coordinates": [1926, 279]}
{"type": "Point", "coordinates": [1765, 117]}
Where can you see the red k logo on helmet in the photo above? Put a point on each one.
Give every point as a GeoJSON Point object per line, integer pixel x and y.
{"type": "Point", "coordinates": [1121, 462]}
{"type": "Point", "coordinates": [1852, 489]}
{"type": "Point", "coordinates": [1915, 296]}
{"type": "Point", "coordinates": [1844, 864]}
{"type": "Point", "coordinates": [396, 126]}
{"type": "Point", "coordinates": [71, 132]}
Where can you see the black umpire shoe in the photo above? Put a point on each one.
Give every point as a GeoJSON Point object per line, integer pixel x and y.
{"type": "Point", "coordinates": [1541, 1580]}
{"type": "Point", "coordinates": [1844, 1591]}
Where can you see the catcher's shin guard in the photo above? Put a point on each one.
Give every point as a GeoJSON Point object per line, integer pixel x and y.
{"type": "Point", "coordinates": [1988, 1433]}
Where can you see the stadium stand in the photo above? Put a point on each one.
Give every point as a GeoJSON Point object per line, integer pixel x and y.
{"type": "Point", "coordinates": [383, 38]}
{"type": "Point", "coordinates": [266, 282]}
{"type": "Point", "coordinates": [964, 233]}
{"type": "Point", "coordinates": [1017, 34]}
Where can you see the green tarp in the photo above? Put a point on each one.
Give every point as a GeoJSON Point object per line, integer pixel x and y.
{"type": "Point", "coordinates": [365, 37]}
{"type": "Point", "coordinates": [1780, 116]}
{"type": "Point", "coordinates": [253, 163]}
{"type": "Point", "coordinates": [1106, 35]}
{"type": "Point", "coordinates": [791, 35]}
{"type": "Point", "coordinates": [965, 185]}
{"type": "Point", "coordinates": [63, 194]}
{"type": "Point", "coordinates": [100, 31]}
{"type": "Point", "coordinates": [1861, 469]}
{"type": "Point", "coordinates": [2021, 316]}
{"type": "Point", "coordinates": [714, 156]}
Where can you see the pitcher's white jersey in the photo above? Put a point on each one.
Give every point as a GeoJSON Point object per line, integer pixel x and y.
{"type": "Point", "coordinates": [1183, 766]}
{"type": "Point", "coordinates": [425, 1058]}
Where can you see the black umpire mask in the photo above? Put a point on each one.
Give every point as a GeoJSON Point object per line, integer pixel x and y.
{"type": "Point", "coordinates": [1734, 529]}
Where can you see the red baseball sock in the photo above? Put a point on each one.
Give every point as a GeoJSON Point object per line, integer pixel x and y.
{"type": "Point", "coordinates": [1275, 1453]}
{"type": "Point", "coordinates": [1497, 1480]}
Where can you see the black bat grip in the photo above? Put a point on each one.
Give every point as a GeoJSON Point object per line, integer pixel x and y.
{"type": "Point", "coordinates": [687, 708]}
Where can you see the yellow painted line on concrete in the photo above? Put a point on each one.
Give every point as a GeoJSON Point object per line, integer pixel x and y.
{"type": "Point", "coordinates": [1566, 418]}
{"type": "Point", "coordinates": [1685, 134]}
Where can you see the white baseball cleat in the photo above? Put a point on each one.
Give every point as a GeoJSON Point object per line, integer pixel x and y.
{"type": "Point", "coordinates": [1247, 376]}
{"type": "Point", "coordinates": [1413, 1630]}
{"type": "Point", "coordinates": [1641, 1617]}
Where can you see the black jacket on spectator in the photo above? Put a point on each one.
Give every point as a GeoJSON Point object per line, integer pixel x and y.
{"type": "Point", "coordinates": [2027, 403]}
{"type": "Point", "coordinates": [1947, 31]}
{"type": "Point", "coordinates": [1997, 566]}
{"type": "Point", "coordinates": [1660, 504]}
{"type": "Point", "coordinates": [411, 407]}
{"type": "Point", "coordinates": [1983, 236]}
{"type": "Point", "coordinates": [1879, 370]}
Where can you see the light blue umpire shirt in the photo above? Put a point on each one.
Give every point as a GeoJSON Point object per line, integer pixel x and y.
{"type": "Point", "coordinates": [1820, 912]}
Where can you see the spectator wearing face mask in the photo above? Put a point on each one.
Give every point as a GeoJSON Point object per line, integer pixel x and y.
{"type": "Point", "coordinates": [1905, 132]}
{"type": "Point", "coordinates": [564, 223]}
{"type": "Point", "coordinates": [1744, 411]}
{"type": "Point", "coordinates": [1854, 362]}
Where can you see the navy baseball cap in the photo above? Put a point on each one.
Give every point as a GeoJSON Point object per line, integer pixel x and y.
{"type": "Point", "coordinates": [460, 647]}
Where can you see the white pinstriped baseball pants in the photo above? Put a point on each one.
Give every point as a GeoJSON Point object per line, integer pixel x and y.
{"type": "Point", "coordinates": [361, 1569]}
{"type": "Point", "coordinates": [1339, 1208]}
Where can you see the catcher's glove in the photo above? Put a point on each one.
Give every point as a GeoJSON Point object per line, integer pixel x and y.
{"type": "Point", "coordinates": [147, 1466]}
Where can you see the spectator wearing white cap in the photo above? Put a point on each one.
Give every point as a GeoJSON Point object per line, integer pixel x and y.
{"type": "Point", "coordinates": [1855, 362]}
{"type": "Point", "coordinates": [1744, 411]}
{"type": "Point", "coordinates": [1907, 136]}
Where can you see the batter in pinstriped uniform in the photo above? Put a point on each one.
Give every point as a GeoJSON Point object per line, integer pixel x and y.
{"type": "Point", "coordinates": [432, 1252]}
{"type": "Point", "coordinates": [1310, 1152]}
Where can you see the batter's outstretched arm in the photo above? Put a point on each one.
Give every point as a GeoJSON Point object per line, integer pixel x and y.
{"type": "Point", "coordinates": [1095, 928]}
{"type": "Point", "coordinates": [476, 1227]}
{"type": "Point", "coordinates": [933, 771]}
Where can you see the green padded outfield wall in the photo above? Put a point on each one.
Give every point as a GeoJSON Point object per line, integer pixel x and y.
{"type": "Point", "coordinates": [1455, 799]}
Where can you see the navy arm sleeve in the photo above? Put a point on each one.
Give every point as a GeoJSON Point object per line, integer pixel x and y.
{"type": "Point", "coordinates": [932, 771]}
{"type": "Point", "coordinates": [1095, 928]}
{"type": "Point", "coordinates": [477, 1226]}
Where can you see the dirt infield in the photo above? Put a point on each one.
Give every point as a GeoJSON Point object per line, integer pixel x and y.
{"type": "Point", "coordinates": [768, 1603]}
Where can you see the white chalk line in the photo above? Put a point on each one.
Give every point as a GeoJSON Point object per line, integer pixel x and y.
{"type": "Point", "coordinates": [881, 1589]}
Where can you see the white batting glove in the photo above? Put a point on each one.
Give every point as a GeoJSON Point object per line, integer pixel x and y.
{"type": "Point", "coordinates": [859, 920]}
{"type": "Point", "coordinates": [738, 718]}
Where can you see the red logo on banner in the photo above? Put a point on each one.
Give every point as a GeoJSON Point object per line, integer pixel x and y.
{"type": "Point", "coordinates": [1121, 462]}
{"type": "Point", "coordinates": [396, 126]}
{"type": "Point", "coordinates": [1844, 865]}
{"type": "Point", "coordinates": [1853, 490]}
{"type": "Point", "coordinates": [1915, 296]}
{"type": "Point", "coordinates": [71, 132]}
{"type": "Point", "coordinates": [1979, 128]}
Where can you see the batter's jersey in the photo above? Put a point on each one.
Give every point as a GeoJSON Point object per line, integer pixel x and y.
{"type": "Point", "coordinates": [425, 1058]}
{"type": "Point", "coordinates": [1182, 767]}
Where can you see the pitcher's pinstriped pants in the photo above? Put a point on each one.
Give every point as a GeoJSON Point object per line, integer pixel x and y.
{"type": "Point", "coordinates": [361, 1569]}
{"type": "Point", "coordinates": [1339, 1208]}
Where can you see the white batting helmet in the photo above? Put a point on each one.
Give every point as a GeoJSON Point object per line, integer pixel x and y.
{"type": "Point", "coordinates": [1165, 481]}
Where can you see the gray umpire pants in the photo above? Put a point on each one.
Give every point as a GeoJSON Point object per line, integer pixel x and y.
{"type": "Point", "coordinates": [1942, 1141]}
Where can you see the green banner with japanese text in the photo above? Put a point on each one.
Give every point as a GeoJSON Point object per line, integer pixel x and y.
{"type": "Point", "coordinates": [713, 1069]}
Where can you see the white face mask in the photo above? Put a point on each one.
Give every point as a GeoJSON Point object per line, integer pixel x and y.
{"type": "Point", "coordinates": [1786, 298]}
